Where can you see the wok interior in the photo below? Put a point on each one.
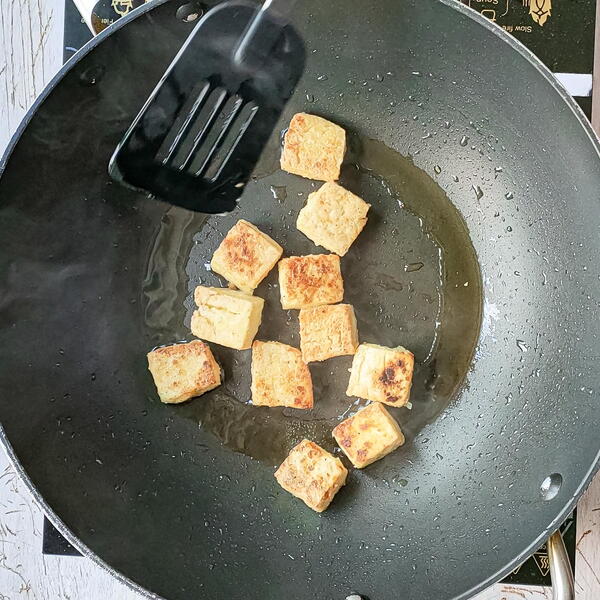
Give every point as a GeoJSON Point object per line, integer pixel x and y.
{"type": "Point", "coordinates": [92, 277]}
{"type": "Point", "coordinates": [412, 277]}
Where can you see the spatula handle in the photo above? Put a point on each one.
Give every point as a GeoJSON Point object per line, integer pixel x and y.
{"type": "Point", "coordinates": [278, 8]}
{"type": "Point", "coordinates": [263, 31]}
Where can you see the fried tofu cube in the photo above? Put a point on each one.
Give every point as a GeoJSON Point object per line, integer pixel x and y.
{"type": "Point", "coordinates": [245, 256]}
{"type": "Point", "coordinates": [381, 374]}
{"type": "Point", "coordinates": [226, 317]}
{"type": "Point", "coordinates": [183, 371]}
{"type": "Point", "coordinates": [313, 148]}
{"type": "Point", "coordinates": [312, 474]}
{"type": "Point", "coordinates": [279, 376]}
{"type": "Point", "coordinates": [312, 280]}
{"type": "Point", "coordinates": [327, 331]}
{"type": "Point", "coordinates": [333, 217]}
{"type": "Point", "coordinates": [368, 435]}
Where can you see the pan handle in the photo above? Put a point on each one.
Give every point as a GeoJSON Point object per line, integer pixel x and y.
{"type": "Point", "coordinates": [561, 573]}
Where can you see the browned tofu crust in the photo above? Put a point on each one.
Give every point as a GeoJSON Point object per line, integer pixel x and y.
{"type": "Point", "coordinates": [381, 374]}
{"type": "Point", "coordinates": [395, 380]}
{"type": "Point", "coordinates": [183, 371]}
{"type": "Point", "coordinates": [327, 331]}
{"type": "Point", "coordinates": [312, 474]}
{"type": "Point", "coordinates": [369, 435]}
{"type": "Point", "coordinates": [312, 280]}
{"type": "Point", "coordinates": [245, 256]}
{"type": "Point", "coordinates": [313, 147]}
{"type": "Point", "coordinates": [280, 377]}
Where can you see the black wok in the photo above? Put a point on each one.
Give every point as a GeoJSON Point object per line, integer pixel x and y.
{"type": "Point", "coordinates": [481, 254]}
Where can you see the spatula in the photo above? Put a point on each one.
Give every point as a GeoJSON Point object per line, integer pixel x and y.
{"type": "Point", "coordinates": [199, 135]}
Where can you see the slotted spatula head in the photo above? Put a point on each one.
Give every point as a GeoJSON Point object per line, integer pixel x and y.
{"type": "Point", "coordinates": [201, 132]}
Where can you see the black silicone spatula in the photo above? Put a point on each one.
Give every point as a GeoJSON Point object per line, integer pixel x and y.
{"type": "Point", "coordinates": [202, 130]}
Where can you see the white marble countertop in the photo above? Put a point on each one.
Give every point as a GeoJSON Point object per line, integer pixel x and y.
{"type": "Point", "coordinates": [31, 47]}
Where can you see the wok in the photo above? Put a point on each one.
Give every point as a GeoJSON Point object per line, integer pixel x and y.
{"type": "Point", "coordinates": [480, 254]}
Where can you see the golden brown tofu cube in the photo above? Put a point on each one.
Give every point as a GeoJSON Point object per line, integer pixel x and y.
{"type": "Point", "coordinates": [312, 280]}
{"type": "Point", "coordinates": [333, 217]}
{"type": "Point", "coordinates": [311, 474]}
{"type": "Point", "coordinates": [226, 317]}
{"type": "Point", "coordinates": [183, 371]}
{"type": "Point", "coordinates": [327, 331]}
{"type": "Point", "coordinates": [381, 374]}
{"type": "Point", "coordinates": [369, 435]}
{"type": "Point", "coordinates": [279, 376]}
{"type": "Point", "coordinates": [245, 256]}
{"type": "Point", "coordinates": [313, 148]}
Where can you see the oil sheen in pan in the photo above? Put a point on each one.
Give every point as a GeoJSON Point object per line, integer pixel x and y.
{"type": "Point", "coordinates": [412, 277]}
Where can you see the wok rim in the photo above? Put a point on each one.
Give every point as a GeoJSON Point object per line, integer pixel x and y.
{"type": "Point", "coordinates": [493, 28]}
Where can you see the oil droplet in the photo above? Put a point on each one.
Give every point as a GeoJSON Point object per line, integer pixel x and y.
{"type": "Point", "coordinates": [412, 267]}
{"type": "Point", "coordinates": [437, 169]}
{"type": "Point", "coordinates": [464, 140]}
{"type": "Point", "coordinates": [279, 193]}
{"type": "Point", "coordinates": [478, 192]}
{"type": "Point", "coordinates": [509, 195]}
{"type": "Point", "coordinates": [522, 346]}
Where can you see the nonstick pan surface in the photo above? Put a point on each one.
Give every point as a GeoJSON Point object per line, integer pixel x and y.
{"type": "Point", "coordinates": [480, 254]}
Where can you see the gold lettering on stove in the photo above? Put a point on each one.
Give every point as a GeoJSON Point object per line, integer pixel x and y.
{"type": "Point", "coordinates": [539, 10]}
{"type": "Point", "coordinates": [122, 7]}
{"type": "Point", "coordinates": [492, 9]}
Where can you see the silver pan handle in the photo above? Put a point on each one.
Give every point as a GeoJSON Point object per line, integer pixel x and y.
{"type": "Point", "coordinates": [563, 587]}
